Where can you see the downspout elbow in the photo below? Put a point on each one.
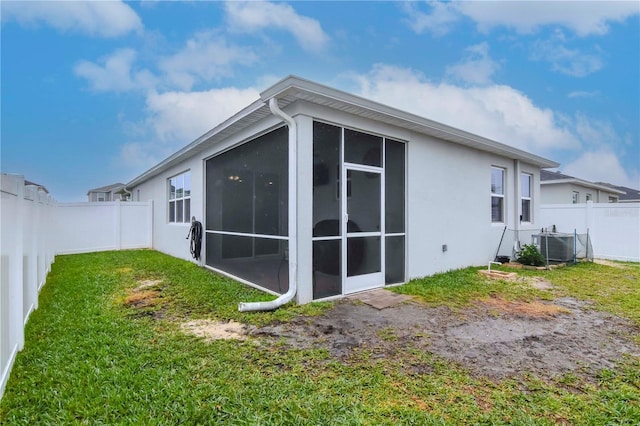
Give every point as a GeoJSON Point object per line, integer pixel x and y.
{"type": "Point", "coordinates": [124, 189]}
{"type": "Point", "coordinates": [290, 294]}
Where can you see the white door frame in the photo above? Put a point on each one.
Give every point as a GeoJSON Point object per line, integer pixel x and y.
{"type": "Point", "coordinates": [362, 282]}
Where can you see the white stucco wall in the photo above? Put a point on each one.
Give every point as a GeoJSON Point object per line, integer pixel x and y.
{"type": "Point", "coordinates": [448, 196]}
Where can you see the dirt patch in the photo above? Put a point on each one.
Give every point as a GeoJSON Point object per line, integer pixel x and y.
{"type": "Point", "coordinates": [146, 299]}
{"type": "Point", "coordinates": [144, 284]}
{"type": "Point", "coordinates": [535, 309]}
{"type": "Point", "coordinates": [142, 298]}
{"type": "Point", "coordinates": [539, 283]}
{"type": "Point", "coordinates": [494, 338]}
{"type": "Point", "coordinates": [214, 330]}
{"type": "Point", "coordinates": [609, 263]}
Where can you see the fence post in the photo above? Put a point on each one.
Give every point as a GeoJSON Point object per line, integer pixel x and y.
{"type": "Point", "coordinates": [150, 210]}
{"type": "Point", "coordinates": [16, 303]}
{"type": "Point", "coordinates": [118, 225]}
{"type": "Point", "coordinates": [589, 214]}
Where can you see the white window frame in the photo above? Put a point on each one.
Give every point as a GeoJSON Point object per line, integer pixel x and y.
{"type": "Point", "coordinates": [498, 195]}
{"type": "Point", "coordinates": [182, 184]}
{"type": "Point", "coordinates": [589, 197]}
{"type": "Point", "coordinates": [524, 198]}
{"type": "Point", "coordinates": [575, 197]}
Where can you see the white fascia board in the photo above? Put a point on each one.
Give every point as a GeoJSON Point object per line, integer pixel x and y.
{"type": "Point", "coordinates": [304, 89]}
{"type": "Point", "coordinates": [583, 183]}
{"type": "Point", "coordinates": [210, 136]}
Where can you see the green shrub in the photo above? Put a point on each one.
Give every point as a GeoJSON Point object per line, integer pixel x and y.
{"type": "Point", "coordinates": [530, 255]}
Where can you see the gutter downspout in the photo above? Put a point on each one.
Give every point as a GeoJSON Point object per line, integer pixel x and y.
{"type": "Point", "coordinates": [124, 188]}
{"type": "Point", "coordinates": [293, 264]}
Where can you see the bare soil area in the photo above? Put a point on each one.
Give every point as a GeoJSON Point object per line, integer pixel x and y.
{"type": "Point", "coordinates": [494, 338]}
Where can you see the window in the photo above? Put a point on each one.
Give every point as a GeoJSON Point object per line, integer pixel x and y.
{"type": "Point", "coordinates": [525, 197]}
{"type": "Point", "coordinates": [589, 197]}
{"type": "Point", "coordinates": [497, 195]}
{"type": "Point", "coordinates": [613, 199]}
{"type": "Point", "coordinates": [180, 198]}
{"type": "Point", "coordinates": [575, 197]}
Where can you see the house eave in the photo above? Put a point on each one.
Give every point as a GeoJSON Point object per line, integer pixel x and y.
{"type": "Point", "coordinates": [247, 116]}
{"type": "Point", "coordinates": [583, 183]}
{"type": "Point", "coordinates": [295, 88]}
{"type": "Point", "coordinates": [292, 89]}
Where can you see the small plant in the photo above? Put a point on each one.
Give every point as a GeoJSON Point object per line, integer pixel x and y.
{"type": "Point", "coordinates": [530, 255]}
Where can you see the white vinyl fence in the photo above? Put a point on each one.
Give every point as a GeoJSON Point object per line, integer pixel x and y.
{"type": "Point", "coordinates": [34, 228]}
{"type": "Point", "coordinates": [614, 228]}
{"type": "Point", "coordinates": [100, 226]}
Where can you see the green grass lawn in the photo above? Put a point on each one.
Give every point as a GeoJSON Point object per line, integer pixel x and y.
{"type": "Point", "coordinates": [92, 358]}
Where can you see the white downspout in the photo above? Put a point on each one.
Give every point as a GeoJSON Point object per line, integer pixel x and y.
{"type": "Point", "coordinates": [293, 256]}
{"type": "Point", "coordinates": [124, 188]}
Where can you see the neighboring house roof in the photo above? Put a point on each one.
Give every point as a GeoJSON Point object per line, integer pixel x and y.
{"type": "Point", "coordinates": [292, 89]}
{"type": "Point", "coordinates": [29, 183]}
{"type": "Point", "coordinates": [629, 195]}
{"type": "Point", "coordinates": [107, 188]}
{"type": "Point", "coordinates": [547, 178]}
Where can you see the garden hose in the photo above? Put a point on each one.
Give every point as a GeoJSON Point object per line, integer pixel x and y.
{"type": "Point", "coordinates": [195, 232]}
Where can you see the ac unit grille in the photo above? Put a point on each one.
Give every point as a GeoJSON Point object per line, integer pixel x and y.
{"type": "Point", "coordinates": [557, 248]}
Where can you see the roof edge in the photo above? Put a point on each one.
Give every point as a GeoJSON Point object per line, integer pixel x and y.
{"type": "Point", "coordinates": [583, 183]}
{"type": "Point", "coordinates": [177, 156]}
{"type": "Point", "coordinates": [293, 84]}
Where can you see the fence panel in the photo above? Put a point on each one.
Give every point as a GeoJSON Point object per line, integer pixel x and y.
{"type": "Point", "coordinates": [614, 228]}
{"type": "Point", "coordinates": [33, 230]}
{"type": "Point", "coordinates": [11, 257]}
{"type": "Point", "coordinates": [100, 226]}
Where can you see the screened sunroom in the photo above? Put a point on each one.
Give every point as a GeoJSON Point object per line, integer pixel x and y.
{"type": "Point", "coordinates": [357, 217]}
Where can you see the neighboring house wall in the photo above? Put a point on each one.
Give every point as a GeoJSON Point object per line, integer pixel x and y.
{"type": "Point", "coordinates": [561, 193]}
{"type": "Point", "coordinates": [106, 193]}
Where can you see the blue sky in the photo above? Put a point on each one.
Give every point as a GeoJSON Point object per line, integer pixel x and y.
{"type": "Point", "coordinates": [95, 93]}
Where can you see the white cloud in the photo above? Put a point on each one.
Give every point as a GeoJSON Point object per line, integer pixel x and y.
{"type": "Point", "coordinates": [183, 116]}
{"type": "Point", "coordinates": [94, 18]}
{"type": "Point", "coordinates": [205, 57]}
{"type": "Point", "coordinates": [476, 68]}
{"type": "Point", "coordinates": [137, 156]}
{"type": "Point", "coordinates": [496, 111]}
{"type": "Point", "coordinates": [581, 17]}
{"type": "Point", "coordinates": [583, 94]}
{"type": "Point", "coordinates": [177, 118]}
{"type": "Point", "coordinates": [438, 22]}
{"type": "Point", "coordinates": [114, 73]}
{"type": "Point", "coordinates": [250, 17]}
{"type": "Point", "coordinates": [594, 132]}
{"type": "Point", "coordinates": [568, 61]}
{"type": "Point", "coordinates": [602, 166]}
